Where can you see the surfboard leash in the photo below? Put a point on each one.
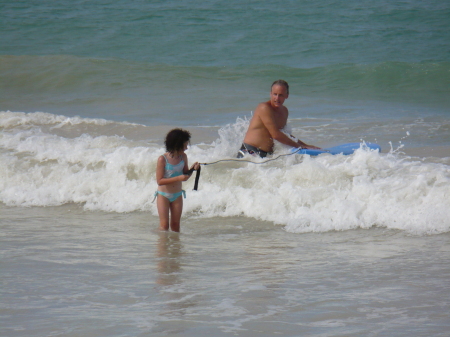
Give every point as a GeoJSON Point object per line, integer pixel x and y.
{"type": "Point", "coordinates": [197, 176]}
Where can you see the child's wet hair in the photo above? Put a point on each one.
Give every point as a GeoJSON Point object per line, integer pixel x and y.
{"type": "Point", "coordinates": [175, 140]}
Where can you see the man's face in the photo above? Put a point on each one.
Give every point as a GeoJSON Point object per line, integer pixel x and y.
{"type": "Point", "coordinates": [278, 95]}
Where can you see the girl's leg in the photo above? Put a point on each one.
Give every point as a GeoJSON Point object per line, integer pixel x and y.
{"type": "Point", "coordinates": [176, 208]}
{"type": "Point", "coordinates": [163, 206]}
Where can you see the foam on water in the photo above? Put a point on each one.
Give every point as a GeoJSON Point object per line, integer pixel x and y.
{"type": "Point", "coordinates": [40, 167]}
{"type": "Point", "coordinates": [332, 193]}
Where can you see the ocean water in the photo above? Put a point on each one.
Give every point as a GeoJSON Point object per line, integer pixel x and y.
{"type": "Point", "coordinates": [298, 246]}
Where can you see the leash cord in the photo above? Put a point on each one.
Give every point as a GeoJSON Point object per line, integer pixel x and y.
{"type": "Point", "coordinates": [197, 176]}
{"type": "Point", "coordinates": [249, 161]}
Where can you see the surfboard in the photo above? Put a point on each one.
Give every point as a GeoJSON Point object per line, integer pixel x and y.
{"type": "Point", "coordinates": [345, 149]}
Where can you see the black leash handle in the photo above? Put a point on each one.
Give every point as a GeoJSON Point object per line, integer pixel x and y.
{"type": "Point", "coordinates": [197, 177]}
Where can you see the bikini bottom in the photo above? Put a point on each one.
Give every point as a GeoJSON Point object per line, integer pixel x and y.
{"type": "Point", "coordinates": [171, 196]}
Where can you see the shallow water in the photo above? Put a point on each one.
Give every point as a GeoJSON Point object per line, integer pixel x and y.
{"type": "Point", "coordinates": [70, 272]}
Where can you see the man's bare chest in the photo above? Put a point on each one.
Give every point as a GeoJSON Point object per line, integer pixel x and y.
{"type": "Point", "coordinates": [281, 119]}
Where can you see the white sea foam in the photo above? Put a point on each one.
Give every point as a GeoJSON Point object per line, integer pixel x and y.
{"type": "Point", "coordinates": [302, 193]}
{"type": "Point", "coordinates": [10, 119]}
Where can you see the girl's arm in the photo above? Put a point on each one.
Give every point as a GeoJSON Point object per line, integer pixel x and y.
{"type": "Point", "coordinates": [186, 166]}
{"type": "Point", "coordinates": [160, 180]}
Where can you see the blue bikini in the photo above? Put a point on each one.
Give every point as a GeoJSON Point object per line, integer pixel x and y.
{"type": "Point", "coordinates": [171, 171]}
{"type": "Point", "coordinates": [171, 196]}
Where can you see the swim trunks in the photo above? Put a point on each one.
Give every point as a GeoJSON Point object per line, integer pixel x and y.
{"type": "Point", "coordinates": [246, 148]}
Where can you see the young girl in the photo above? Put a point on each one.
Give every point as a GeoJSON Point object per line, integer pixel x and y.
{"type": "Point", "coordinates": [171, 171]}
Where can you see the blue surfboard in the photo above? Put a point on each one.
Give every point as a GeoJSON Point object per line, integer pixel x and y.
{"type": "Point", "coordinates": [344, 149]}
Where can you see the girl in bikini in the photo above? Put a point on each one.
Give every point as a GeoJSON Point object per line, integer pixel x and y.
{"type": "Point", "coordinates": [171, 171]}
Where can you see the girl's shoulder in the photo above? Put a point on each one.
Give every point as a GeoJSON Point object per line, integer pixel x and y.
{"type": "Point", "coordinates": [184, 157]}
{"type": "Point", "coordinates": [162, 158]}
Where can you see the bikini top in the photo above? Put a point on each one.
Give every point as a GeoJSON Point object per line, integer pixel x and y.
{"type": "Point", "coordinates": [173, 170]}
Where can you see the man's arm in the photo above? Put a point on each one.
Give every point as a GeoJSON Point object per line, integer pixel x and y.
{"type": "Point", "coordinates": [268, 119]}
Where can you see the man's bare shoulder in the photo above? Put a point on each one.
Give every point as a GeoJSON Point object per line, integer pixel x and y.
{"type": "Point", "coordinates": [263, 108]}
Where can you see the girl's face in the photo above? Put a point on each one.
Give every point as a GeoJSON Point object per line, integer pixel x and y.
{"type": "Point", "coordinates": [185, 146]}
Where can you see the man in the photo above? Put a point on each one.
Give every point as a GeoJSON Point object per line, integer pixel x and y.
{"type": "Point", "coordinates": [266, 124]}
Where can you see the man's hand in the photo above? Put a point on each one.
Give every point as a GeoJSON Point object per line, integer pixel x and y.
{"type": "Point", "coordinates": [306, 146]}
{"type": "Point", "coordinates": [312, 147]}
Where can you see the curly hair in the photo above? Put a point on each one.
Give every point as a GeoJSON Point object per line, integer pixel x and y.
{"type": "Point", "coordinates": [175, 140]}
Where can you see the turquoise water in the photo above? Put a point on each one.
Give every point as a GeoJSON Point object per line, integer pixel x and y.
{"type": "Point", "coordinates": [299, 34]}
{"type": "Point", "coordinates": [328, 246]}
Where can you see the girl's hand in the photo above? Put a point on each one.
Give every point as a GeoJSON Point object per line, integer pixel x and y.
{"type": "Point", "coordinates": [194, 167]}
